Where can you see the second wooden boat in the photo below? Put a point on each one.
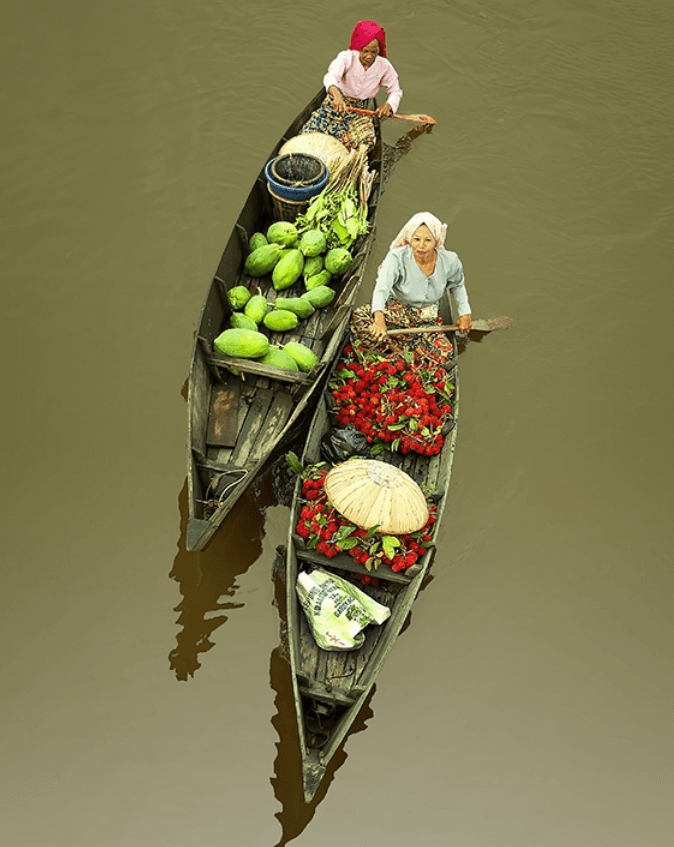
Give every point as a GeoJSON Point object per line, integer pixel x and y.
{"type": "Point", "coordinates": [330, 688]}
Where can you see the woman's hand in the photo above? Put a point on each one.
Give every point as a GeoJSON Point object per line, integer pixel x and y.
{"type": "Point", "coordinates": [384, 111]}
{"type": "Point", "coordinates": [378, 326]}
{"type": "Point", "coordinates": [337, 99]}
{"type": "Point", "coordinates": [464, 324]}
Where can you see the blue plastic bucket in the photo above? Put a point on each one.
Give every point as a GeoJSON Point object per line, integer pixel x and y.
{"type": "Point", "coordinates": [297, 192]}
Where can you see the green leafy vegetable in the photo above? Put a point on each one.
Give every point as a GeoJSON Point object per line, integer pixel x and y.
{"type": "Point", "coordinates": [294, 463]}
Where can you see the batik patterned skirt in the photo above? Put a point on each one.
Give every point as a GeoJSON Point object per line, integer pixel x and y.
{"type": "Point", "coordinates": [351, 128]}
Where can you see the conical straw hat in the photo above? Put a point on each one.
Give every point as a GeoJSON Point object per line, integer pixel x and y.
{"type": "Point", "coordinates": [320, 144]}
{"type": "Point", "coordinates": [371, 493]}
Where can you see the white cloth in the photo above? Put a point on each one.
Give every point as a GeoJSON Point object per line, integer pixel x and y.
{"type": "Point", "coordinates": [437, 228]}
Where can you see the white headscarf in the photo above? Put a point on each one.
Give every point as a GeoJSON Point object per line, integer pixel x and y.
{"type": "Point", "coordinates": [437, 228]}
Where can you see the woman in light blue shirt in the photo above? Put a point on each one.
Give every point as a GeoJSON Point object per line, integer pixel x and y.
{"type": "Point", "coordinates": [413, 277]}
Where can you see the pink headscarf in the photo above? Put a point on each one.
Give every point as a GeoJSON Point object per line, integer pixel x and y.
{"type": "Point", "coordinates": [364, 32]}
{"type": "Point", "coordinates": [438, 230]}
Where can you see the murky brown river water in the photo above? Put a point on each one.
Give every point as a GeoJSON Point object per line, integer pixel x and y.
{"type": "Point", "coordinates": [530, 701]}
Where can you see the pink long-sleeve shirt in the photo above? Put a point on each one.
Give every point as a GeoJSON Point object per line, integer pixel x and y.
{"type": "Point", "coordinates": [353, 80]}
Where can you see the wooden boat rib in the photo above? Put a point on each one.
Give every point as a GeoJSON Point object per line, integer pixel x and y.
{"type": "Point", "coordinates": [330, 688]}
{"type": "Point", "coordinates": [235, 422]}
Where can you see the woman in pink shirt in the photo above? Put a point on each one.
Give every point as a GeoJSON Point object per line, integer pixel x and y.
{"type": "Point", "coordinates": [354, 77]}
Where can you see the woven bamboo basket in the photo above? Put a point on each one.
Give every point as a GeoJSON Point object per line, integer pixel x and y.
{"type": "Point", "coordinates": [297, 169]}
{"type": "Point", "coordinates": [288, 210]}
{"type": "Point", "coordinates": [371, 493]}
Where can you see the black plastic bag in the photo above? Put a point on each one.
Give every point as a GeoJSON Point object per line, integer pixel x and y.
{"type": "Point", "coordinates": [341, 442]}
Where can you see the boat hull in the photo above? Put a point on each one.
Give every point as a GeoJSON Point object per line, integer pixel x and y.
{"type": "Point", "coordinates": [331, 688]}
{"type": "Point", "coordinates": [239, 413]}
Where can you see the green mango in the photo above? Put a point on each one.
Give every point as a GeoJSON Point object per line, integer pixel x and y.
{"type": "Point", "coordinates": [312, 265]}
{"type": "Point", "coordinates": [312, 243]}
{"type": "Point", "coordinates": [240, 321]}
{"type": "Point", "coordinates": [279, 359]}
{"type": "Point", "coordinates": [322, 278]}
{"type": "Point", "coordinates": [241, 343]}
{"type": "Point", "coordinates": [283, 233]}
{"type": "Point", "coordinates": [305, 357]}
{"type": "Point", "coordinates": [302, 308]}
{"type": "Point", "coordinates": [256, 308]}
{"type": "Point", "coordinates": [262, 261]}
{"type": "Point", "coordinates": [257, 239]}
{"type": "Point", "coordinates": [288, 270]}
{"type": "Point", "coordinates": [319, 297]}
{"type": "Point", "coordinates": [338, 260]}
{"type": "Point", "coordinates": [238, 296]}
{"type": "Point", "coordinates": [281, 320]}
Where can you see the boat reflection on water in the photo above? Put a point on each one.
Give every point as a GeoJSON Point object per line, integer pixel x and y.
{"type": "Point", "coordinates": [295, 814]}
{"type": "Point", "coordinates": [208, 579]}
{"type": "Point", "coordinates": [287, 781]}
{"type": "Point", "coordinates": [391, 154]}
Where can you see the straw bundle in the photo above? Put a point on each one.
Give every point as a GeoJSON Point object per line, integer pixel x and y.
{"type": "Point", "coordinates": [370, 493]}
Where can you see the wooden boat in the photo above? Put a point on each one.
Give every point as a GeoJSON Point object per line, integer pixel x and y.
{"type": "Point", "coordinates": [235, 422]}
{"type": "Point", "coordinates": [330, 688]}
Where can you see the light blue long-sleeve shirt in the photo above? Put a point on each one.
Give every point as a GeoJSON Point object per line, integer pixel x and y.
{"type": "Point", "coordinates": [400, 278]}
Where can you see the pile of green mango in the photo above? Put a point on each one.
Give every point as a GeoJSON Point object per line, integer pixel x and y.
{"type": "Point", "coordinates": [287, 256]}
{"type": "Point", "coordinates": [250, 344]}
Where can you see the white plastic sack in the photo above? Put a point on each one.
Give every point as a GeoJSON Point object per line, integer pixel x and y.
{"type": "Point", "coordinates": [337, 611]}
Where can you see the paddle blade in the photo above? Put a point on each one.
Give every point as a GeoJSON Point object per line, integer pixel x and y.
{"type": "Point", "coordinates": [422, 119]}
{"type": "Point", "coordinates": [490, 324]}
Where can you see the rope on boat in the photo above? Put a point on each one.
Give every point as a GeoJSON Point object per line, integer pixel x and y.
{"type": "Point", "coordinates": [214, 500]}
{"type": "Point", "coordinates": [328, 680]}
{"type": "Point", "coordinates": [319, 734]}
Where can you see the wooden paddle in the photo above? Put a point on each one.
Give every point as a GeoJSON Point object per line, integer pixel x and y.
{"type": "Point", "coordinates": [420, 119]}
{"type": "Point", "coordinates": [478, 326]}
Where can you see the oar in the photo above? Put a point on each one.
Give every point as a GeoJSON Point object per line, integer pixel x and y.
{"type": "Point", "coordinates": [486, 325]}
{"type": "Point", "coordinates": [420, 119]}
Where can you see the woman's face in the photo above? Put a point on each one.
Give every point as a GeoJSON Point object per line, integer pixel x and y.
{"type": "Point", "coordinates": [369, 53]}
{"type": "Point", "coordinates": [422, 243]}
